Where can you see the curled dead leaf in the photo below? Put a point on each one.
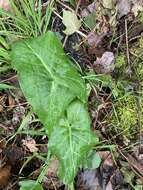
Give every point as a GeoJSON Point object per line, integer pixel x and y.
{"type": "Point", "coordinates": [105, 64]}
{"type": "Point", "coordinates": [30, 144]}
{"type": "Point", "coordinates": [89, 9]}
{"type": "Point", "coordinates": [135, 164]}
{"type": "Point", "coordinates": [89, 179]}
{"type": "Point", "coordinates": [123, 7]}
{"type": "Point", "coordinates": [104, 154]}
{"type": "Point", "coordinates": [109, 186]}
{"type": "Point", "coordinates": [2, 143]}
{"type": "Point", "coordinates": [5, 173]}
{"type": "Point", "coordinates": [18, 114]}
{"type": "Point", "coordinates": [94, 40]}
{"type": "Point", "coordinates": [1, 108]}
{"type": "Point", "coordinates": [50, 180]}
{"type": "Point", "coordinates": [14, 154]}
{"type": "Point", "coordinates": [53, 167]}
{"type": "Point", "coordinates": [11, 101]}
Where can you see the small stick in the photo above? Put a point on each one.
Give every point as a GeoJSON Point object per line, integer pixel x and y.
{"type": "Point", "coordinates": [127, 46]}
{"type": "Point", "coordinates": [65, 40]}
{"type": "Point", "coordinates": [6, 80]}
{"type": "Point", "coordinates": [81, 34]}
{"type": "Point", "coordinates": [67, 7]}
{"type": "Point", "coordinates": [77, 7]}
{"type": "Point", "coordinates": [57, 14]}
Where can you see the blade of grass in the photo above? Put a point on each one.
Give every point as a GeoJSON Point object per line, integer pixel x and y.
{"type": "Point", "coordinates": [6, 86]}
{"type": "Point", "coordinates": [48, 15]}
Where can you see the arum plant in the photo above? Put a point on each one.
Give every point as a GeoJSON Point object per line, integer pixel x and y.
{"type": "Point", "coordinates": [58, 96]}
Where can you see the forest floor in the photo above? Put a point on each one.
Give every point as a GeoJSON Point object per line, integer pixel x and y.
{"type": "Point", "coordinates": [104, 38]}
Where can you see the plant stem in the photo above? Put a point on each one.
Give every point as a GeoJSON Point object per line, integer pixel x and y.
{"type": "Point", "coordinates": [71, 187]}
{"type": "Point", "coordinates": [81, 33]}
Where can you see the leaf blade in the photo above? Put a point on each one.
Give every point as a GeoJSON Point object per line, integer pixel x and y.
{"type": "Point", "coordinates": [74, 133]}
{"type": "Point", "coordinates": [44, 67]}
{"type": "Point", "coordinates": [71, 22]}
{"type": "Point", "coordinates": [58, 96]}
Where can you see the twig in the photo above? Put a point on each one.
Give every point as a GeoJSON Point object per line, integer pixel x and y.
{"type": "Point", "coordinates": [130, 163]}
{"type": "Point", "coordinates": [127, 46]}
{"type": "Point", "coordinates": [81, 34]}
{"type": "Point", "coordinates": [138, 102]}
{"type": "Point", "coordinates": [57, 14]}
{"type": "Point", "coordinates": [78, 5]}
{"type": "Point", "coordinates": [65, 40]}
{"type": "Point", "coordinates": [6, 80]}
{"type": "Point", "coordinates": [136, 37]}
{"type": "Point", "coordinates": [67, 7]}
{"type": "Point", "coordinates": [17, 105]}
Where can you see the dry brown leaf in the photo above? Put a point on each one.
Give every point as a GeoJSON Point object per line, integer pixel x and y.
{"type": "Point", "coordinates": [11, 102]}
{"type": "Point", "coordinates": [108, 161]}
{"type": "Point", "coordinates": [30, 144]}
{"type": "Point", "coordinates": [1, 108]}
{"type": "Point", "coordinates": [137, 2]}
{"type": "Point", "coordinates": [135, 164]}
{"type": "Point", "coordinates": [5, 174]}
{"type": "Point", "coordinates": [90, 9]}
{"type": "Point", "coordinates": [18, 114]}
{"type": "Point", "coordinates": [109, 186]}
{"type": "Point", "coordinates": [123, 7]}
{"type": "Point", "coordinates": [89, 179]}
{"type": "Point", "coordinates": [137, 8]}
{"type": "Point", "coordinates": [105, 64]}
{"type": "Point", "coordinates": [104, 154]}
{"type": "Point", "coordinates": [2, 143]}
{"type": "Point", "coordinates": [51, 179]}
{"type": "Point", "coordinates": [1, 103]}
{"type": "Point", "coordinates": [14, 154]}
{"type": "Point", "coordinates": [53, 167]}
{"type": "Point", "coordinates": [138, 149]}
{"type": "Point", "coordinates": [94, 40]}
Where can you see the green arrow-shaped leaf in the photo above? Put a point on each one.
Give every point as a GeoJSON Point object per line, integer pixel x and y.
{"type": "Point", "coordinates": [58, 95]}
{"type": "Point", "coordinates": [47, 77]}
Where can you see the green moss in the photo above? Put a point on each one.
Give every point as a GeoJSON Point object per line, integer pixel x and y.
{"type": "Point", "coordinates": [141, 17]}
{"type": "Point", "coordinates": [120, 61]}
{"type": "Point", "coordinates": [140, 71]}
{"type": "Point", "coordinates": [125, 117]}
{"type": "Point", "coordinates": [136, 62]}
{"type": "Point", "coordinates": [137, 58]}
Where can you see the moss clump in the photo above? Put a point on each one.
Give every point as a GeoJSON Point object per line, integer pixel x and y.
{"type": "Point", "coordinates": [140, 16]}
{"type": "Point", "coordinates": [137, 58]}
{"type": "Point", "coordinates": [120, 61]}
{"type": "Point", "coordinates": [125, 117]}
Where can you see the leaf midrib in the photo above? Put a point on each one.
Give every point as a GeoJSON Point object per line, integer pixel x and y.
{"type": "Point", "coordinates": [49, 71]}
{"type": "Point", "coordinates": [41, 60]}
